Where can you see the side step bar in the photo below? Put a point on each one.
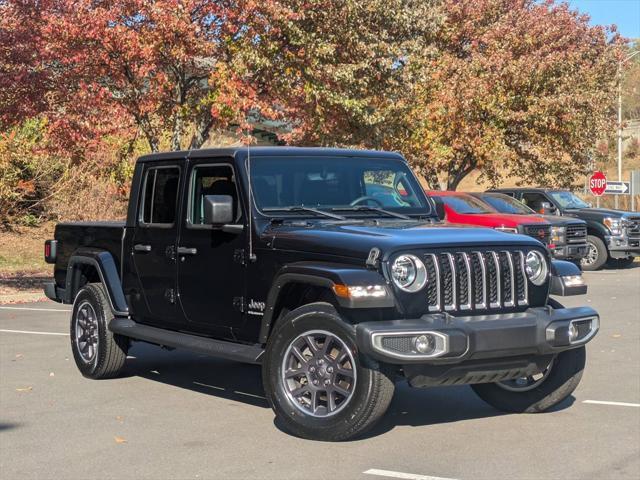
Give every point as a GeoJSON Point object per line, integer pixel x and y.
{"type": "Point", "coordinates": [208, 346]}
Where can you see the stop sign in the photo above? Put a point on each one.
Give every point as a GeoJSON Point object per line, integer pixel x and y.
{"type": "Point", "coordinates": [598, 183]}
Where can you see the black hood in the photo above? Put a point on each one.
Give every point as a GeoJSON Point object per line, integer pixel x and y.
{"type": "Point", "coordinates": [558, 220]}
{"type": "Point", "coordinates": [357, 239]}
{"type": "Point", "coordinates": [599, 213]}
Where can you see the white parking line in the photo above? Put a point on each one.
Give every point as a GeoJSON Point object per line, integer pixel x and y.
{"type": "Point", "coordinates": [34, 333]}
{"type": "Point", "coordinates": [36, 309]}
{"type": "Point", "coordinates": [617, 404]}
{"type": "Point", "coordinates": [407, 476]}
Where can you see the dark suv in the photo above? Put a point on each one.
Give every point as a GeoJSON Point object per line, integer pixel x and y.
{"type": "Point", "coordinates": [332, 270]}
{"type": "Point", "coordinates": [568, 235]}
{"type": "Point", "coordinates": [613, 235]}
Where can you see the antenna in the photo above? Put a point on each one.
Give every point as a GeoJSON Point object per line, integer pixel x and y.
{"type": "Point", "coordinates": [252, 256]}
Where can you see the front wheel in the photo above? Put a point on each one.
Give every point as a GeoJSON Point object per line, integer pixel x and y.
{"type": "Point", "coordinates": [315, 380]}
{"type": "Point", "coordinates": [537, 393]}
{"type": "Point", "coordinates": [597, 254]}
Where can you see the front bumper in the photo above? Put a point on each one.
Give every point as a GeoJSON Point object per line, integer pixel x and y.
{"type": "Point", "coordinates": [623, 246]}
{"type": "Point", "coordinates": [476, 349]}
{"type": "Point", "coordinates": [569, 251]}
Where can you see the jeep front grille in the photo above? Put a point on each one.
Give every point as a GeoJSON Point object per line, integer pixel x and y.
{"type": "Point", "coordinates": [539, 232]}
{"type": "Point", "coordinates": [460, 281]}
{"type": "Point", "coordinates": [576, 233]}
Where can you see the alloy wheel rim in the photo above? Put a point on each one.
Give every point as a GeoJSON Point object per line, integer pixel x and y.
{"type": "Point", "coordinates": [86, 332]}
{"type": "Point", "coordinates": [591, 256]}
{"type": "Point", "coordinates": [524, 384]}
{"type": "Point", "coordinates": [318, 373]}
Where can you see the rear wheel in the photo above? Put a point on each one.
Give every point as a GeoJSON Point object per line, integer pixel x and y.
{"type": "Point", "coordinates": [316, 382]}
{"type": "Point", "coordinates": [98, 352]}
{"type": "Point", "coordinates": [597, 254]}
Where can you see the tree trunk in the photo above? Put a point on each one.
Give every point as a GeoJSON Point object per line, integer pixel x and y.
{"type": "Point", "coordinates": [176, 135]}
{"type": "Point", "coordinates": [457, 175]}
{"type": "Point", "coordinates": [203, 128]}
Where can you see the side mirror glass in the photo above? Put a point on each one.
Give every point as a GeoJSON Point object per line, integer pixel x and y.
{"type": "Point", "coordinates": [547, 209]}
{"type": "Point", "coordinates": [218, 209]}
{"type": "Point", "coordinates": [439, 208]}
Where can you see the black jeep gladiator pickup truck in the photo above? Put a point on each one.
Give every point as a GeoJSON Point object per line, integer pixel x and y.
{"type": "Point", "coordinates": [613, 236]}
{"type": "Point", "coordinates": [332, 270]}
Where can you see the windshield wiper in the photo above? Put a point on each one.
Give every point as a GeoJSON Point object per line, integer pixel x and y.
{"type": "Point", "coordinates": [302, 208]}
{"type": "Point", "coordinates": [367, 208]}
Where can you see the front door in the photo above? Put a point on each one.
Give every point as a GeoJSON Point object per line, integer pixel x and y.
{"type": "Point", "coordinates": [210, 262]}
{"type": "Point", "coordinates": [153, 247]}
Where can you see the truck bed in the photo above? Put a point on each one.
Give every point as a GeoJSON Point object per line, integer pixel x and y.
{"type": "Point", "coordinates": [73, 235]}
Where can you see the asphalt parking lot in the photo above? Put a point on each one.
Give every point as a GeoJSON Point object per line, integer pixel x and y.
{"type": "Point", "coordinates": [179, 415]}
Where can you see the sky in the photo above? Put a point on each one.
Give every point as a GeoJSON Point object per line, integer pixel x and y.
{"type": "Point", "coordinates": [624, 13]}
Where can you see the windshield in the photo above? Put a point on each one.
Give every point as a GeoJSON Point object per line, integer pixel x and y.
{"type": "Point", "coordinates": [568, 200]}
{"type": "Point", "coordinates": [465, 204]}
{"type": "Point", "coordinates": [337, 183]}
{"type": "Point", "coordinates": [507, 204]}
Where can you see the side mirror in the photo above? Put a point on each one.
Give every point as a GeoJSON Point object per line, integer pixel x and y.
{"type": "Point", "coordinates": [547, 209]}
{"type": "Point", "coordinates": [439, 208]}
{"type": "Point", "coordinates": [218, 210]}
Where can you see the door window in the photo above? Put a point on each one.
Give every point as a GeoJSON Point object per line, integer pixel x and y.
{"type": "Point", "coordinates": [160, 196]}
{"type": "Point", "coordinates": [534, 200]}
{"type": "Point", "coordinates": [211, 180]}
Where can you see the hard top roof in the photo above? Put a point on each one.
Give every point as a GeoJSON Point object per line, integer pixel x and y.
{"type": "Point", "coordinates": [241, 153]}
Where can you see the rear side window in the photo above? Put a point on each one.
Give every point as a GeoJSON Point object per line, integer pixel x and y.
{"type": "Point", "coordinates": [160, 196]}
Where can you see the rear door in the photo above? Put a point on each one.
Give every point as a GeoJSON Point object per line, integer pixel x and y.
{"type": "Point", "coordinates": [153, 247]}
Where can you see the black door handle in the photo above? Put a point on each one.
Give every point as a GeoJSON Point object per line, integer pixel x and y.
{"type": "Point", "coordinates": [187, 251]}
{"type": "Point", "coordinates": [142, 248]}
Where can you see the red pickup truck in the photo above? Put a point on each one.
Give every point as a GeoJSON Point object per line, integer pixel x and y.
{"type": "Point", "coordinates": [462, 208]}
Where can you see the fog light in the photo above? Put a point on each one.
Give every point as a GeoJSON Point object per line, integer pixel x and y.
{"type": "Point", "coordinates": [425, 343]}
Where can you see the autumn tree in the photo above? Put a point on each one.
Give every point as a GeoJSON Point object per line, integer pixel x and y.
{"type": "Point", "coordinates": [162, 67]}
{"type": "Point", "coordinates": [333, 69]}
{"type": "Point", "coordinates": [515, 88]}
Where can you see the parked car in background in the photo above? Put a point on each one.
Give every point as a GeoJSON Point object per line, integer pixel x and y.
{"type": "Point", "coordinates": [568, 234]}
{"type": "Point", "coordinates": [465, 209]}
{"type": "Point", "coordinates": [613, 236]}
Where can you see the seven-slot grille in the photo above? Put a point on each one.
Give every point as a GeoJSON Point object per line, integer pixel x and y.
{"type": "Point", "coordinates": [539, 232]}
{"type": "Point", "coordinates": [576, 233]}
{"type": "Point", "coordinates": [461, 281]}
{"type": "Point", "coordinates": [633, 227]}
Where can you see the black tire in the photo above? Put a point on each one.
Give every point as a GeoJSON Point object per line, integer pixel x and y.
{"type": "Point", "coordinates": [620, 262]}
{"type": "Point", "coordinates": [372, 390]}
{"type": "Point", "coordinates": [563, 378]}
{"type": "Point", "coordinates": [110, 352]}
{"type": "Point", "coordinates": [597, 254]}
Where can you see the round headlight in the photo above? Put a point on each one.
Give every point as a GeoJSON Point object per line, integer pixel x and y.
{"type": "Point", "coordinates": [408, 273]}
{"type": "Point", "coordinates": [536, 267]}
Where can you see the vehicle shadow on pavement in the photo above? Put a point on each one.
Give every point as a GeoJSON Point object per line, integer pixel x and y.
{"type": "Point", "coordinates": [199, 373]}
{"type": "Point", "coordinates": [243, 383]}
{"type": "Point", "coordinates": [417, 407]}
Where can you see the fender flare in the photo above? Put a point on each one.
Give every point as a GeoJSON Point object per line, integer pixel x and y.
{"type": "Point", "coordinates": [105, 265]}
{"type": "Point", "coordinates": [324, 275]}
{"type": "Point", "coordinates": [598, 228]}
